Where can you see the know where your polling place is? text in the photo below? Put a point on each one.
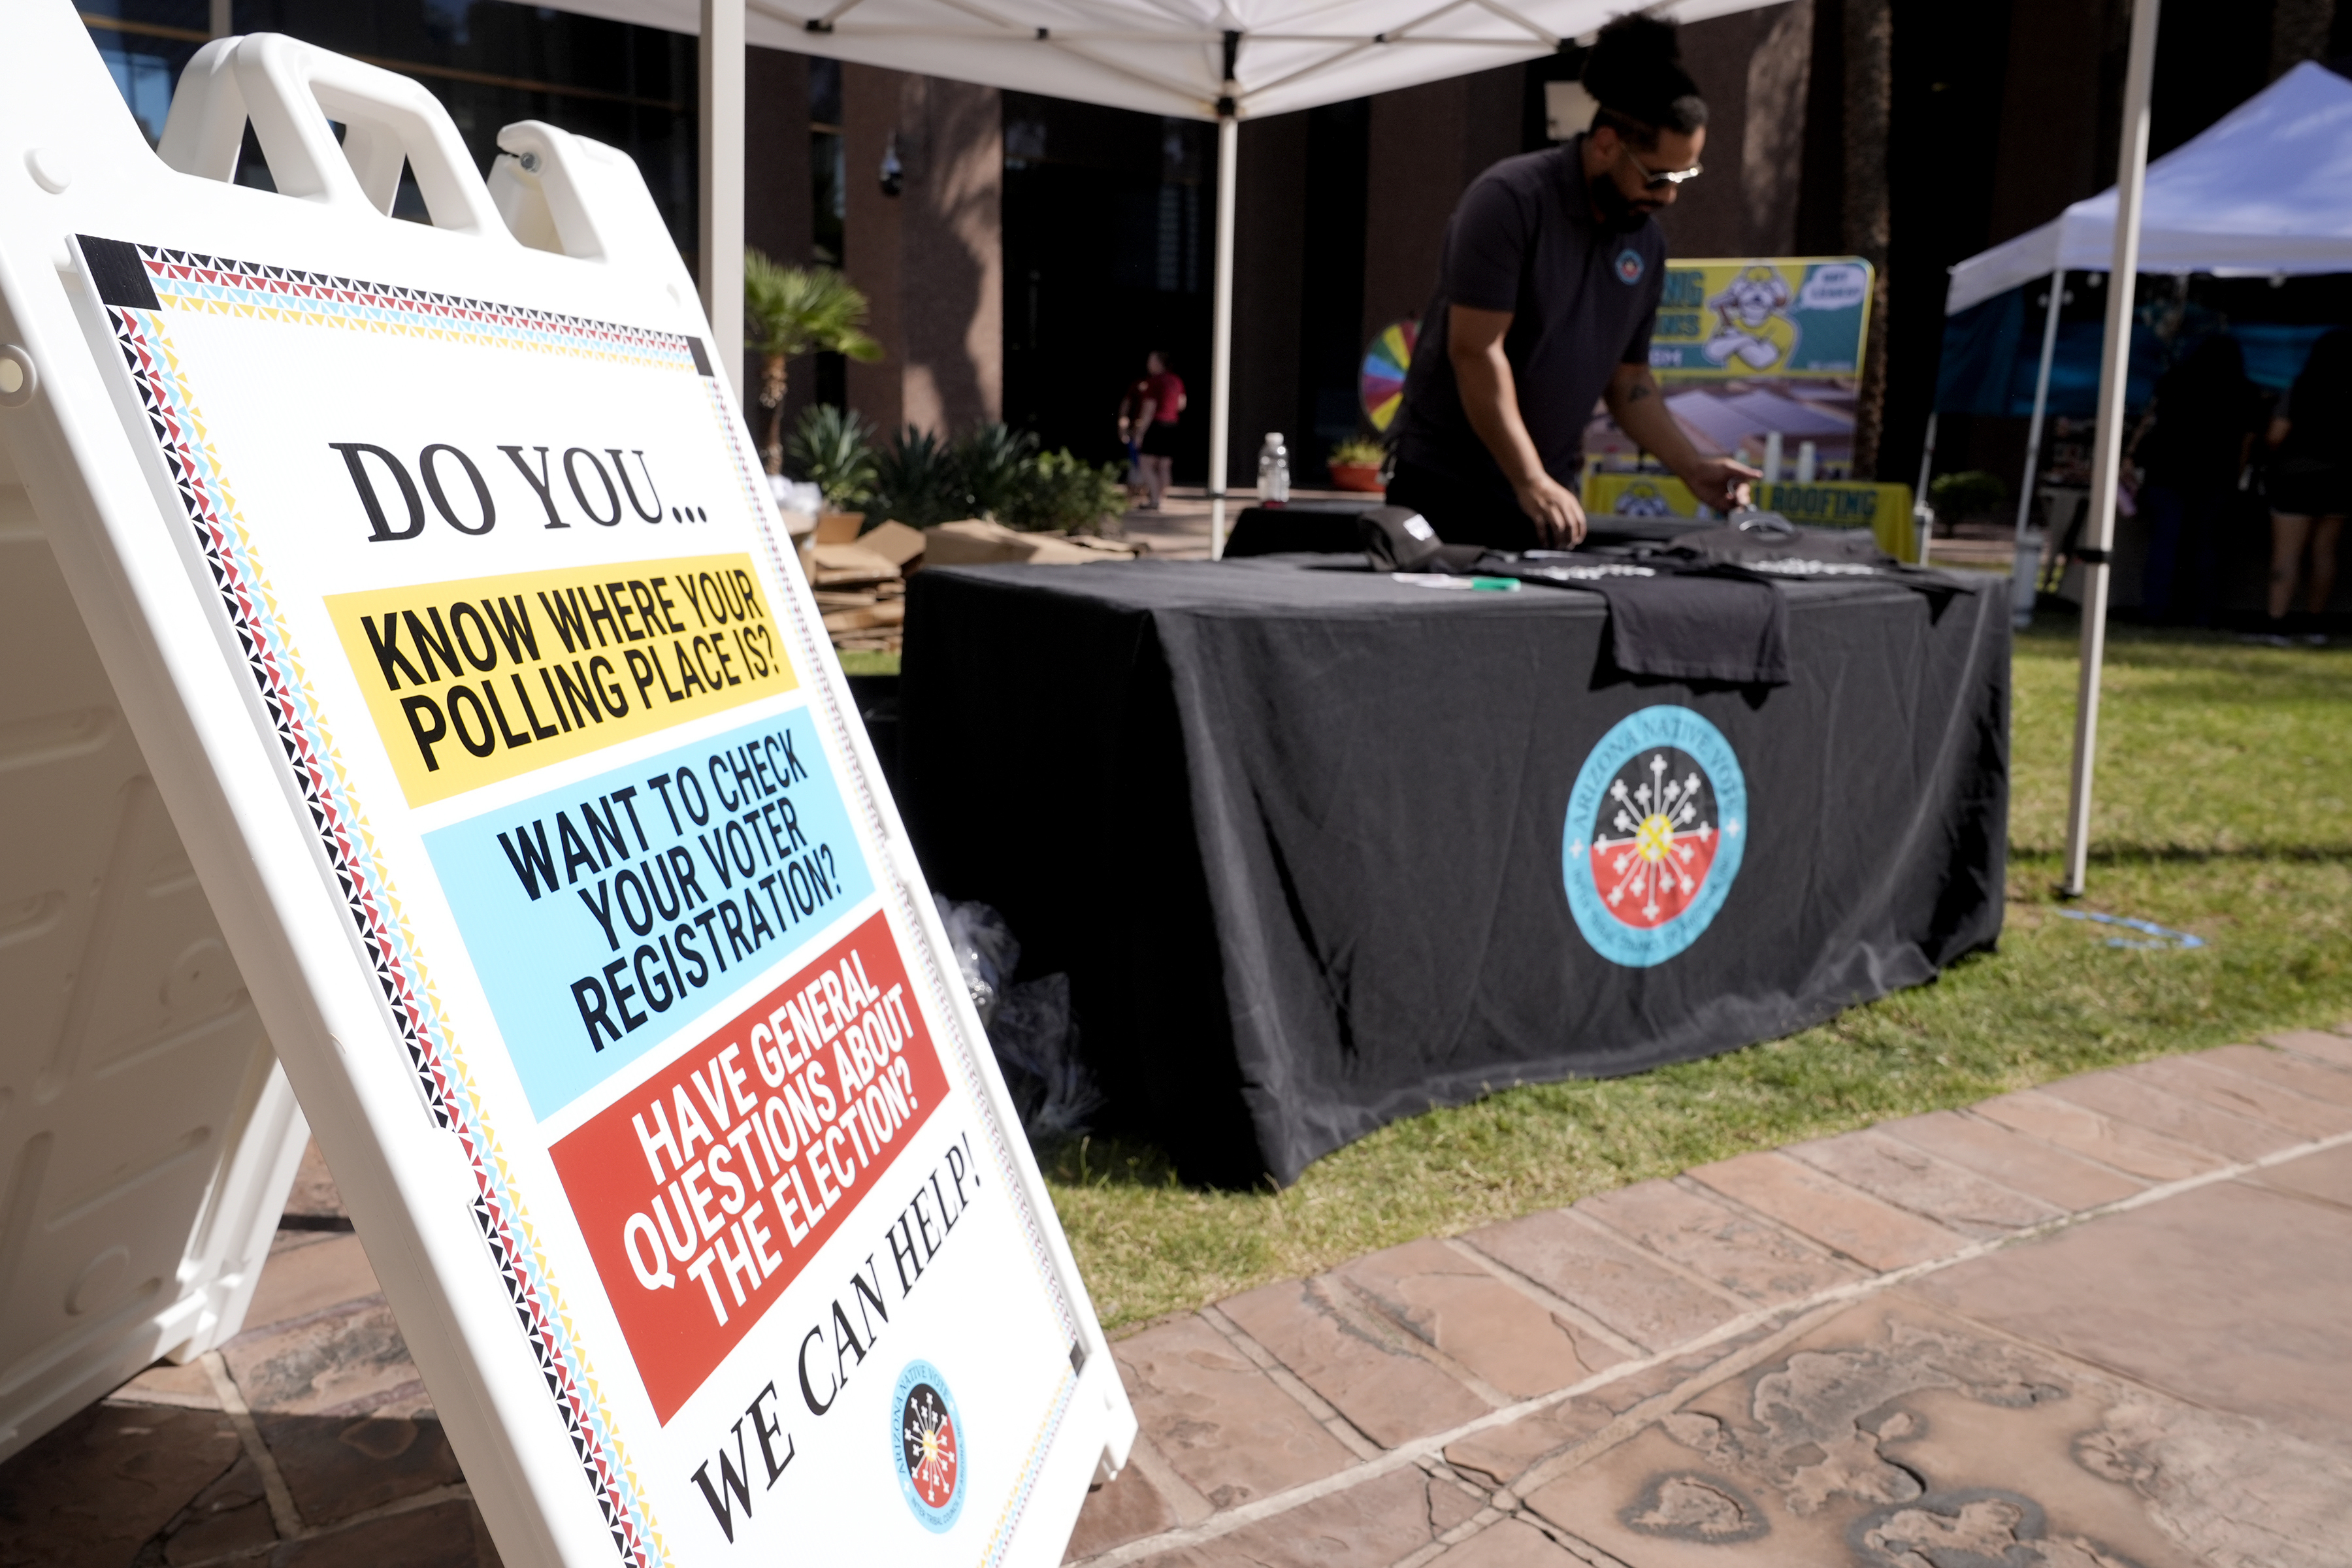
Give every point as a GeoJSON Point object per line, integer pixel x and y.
{"type": "Point", "coordinates": [477, 680]}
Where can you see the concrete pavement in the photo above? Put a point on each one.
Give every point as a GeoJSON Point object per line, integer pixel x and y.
{"type": "Point", "coordinates": [306, 1442]}
{"type": "Point", "coordinates": [2107, 1323]}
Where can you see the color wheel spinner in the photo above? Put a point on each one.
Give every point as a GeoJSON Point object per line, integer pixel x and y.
{"type": "Point", "coordinates": [1381, 384]}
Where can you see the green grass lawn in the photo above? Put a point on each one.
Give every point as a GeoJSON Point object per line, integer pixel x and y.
{"type": "Point", "coordinates": [2223, 809]}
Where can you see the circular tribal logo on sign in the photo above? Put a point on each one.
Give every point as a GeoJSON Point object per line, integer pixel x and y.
{"type": "Point", "coordinates": [1656, 825]}
{"type": "Point", "coordinates": [927, 1434]}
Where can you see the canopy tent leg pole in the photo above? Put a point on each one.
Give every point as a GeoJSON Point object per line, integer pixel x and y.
{"type": "Point", "coordinates": [2026, 572]}
{"type": "Point", "coordinates": [1221, 347]}
{"type": "Point", "coordinates": [720, 268]}
{"type": "Point", "coordinates": [2115, 365]}
{"type": "Point", "coordinates": [1923, 522]}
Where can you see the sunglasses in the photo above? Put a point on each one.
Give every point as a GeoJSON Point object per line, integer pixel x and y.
{"type": "Point", "coordinates": [1652, 180]}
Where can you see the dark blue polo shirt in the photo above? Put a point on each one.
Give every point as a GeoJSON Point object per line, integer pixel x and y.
{"type": "Point", "coordinates": [1583, 300]}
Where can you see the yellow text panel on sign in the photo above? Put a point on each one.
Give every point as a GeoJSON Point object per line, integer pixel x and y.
{"type": "Point", "coordinates": [487, 677]}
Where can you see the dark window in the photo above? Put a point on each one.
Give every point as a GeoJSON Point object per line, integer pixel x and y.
{"type": "Point", "coordinates": [489, 63]}
{"type": "Point", "coordinates": [145, 45]}
{"type": "Point", "coordinates": [828, 196]}
{"type": "Point", "coordinates": [825, 91]}
{"type": "Point", "coordinates": [1107, 254]}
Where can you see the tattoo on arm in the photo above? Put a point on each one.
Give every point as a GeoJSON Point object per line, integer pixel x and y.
{"type": "Point", "coordinates": [1640, 390]}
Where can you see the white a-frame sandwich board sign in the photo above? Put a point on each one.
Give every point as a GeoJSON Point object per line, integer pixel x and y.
{"type": "Point", "coordinates": [454, 621]}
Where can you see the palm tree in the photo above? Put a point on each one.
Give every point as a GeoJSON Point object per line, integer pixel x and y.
{"type": "Point", "coordinates": [1869, 224]}
{"type": "Point", "coordinates": [789, 310]}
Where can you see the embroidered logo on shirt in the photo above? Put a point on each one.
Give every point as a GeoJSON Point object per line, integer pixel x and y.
{"type": "Point", "coordinates": [1629, 266]}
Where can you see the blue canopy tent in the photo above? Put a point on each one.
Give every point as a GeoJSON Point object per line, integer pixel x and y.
{"type": "Point", "coordinates": [1991, 361]}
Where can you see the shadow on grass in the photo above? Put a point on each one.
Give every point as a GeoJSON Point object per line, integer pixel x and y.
{"type": "Point", "coordinates": [1110, 1160]}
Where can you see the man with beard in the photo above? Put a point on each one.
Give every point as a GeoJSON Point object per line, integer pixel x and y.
{"type": "Point", "coordinates": [1547, 294]}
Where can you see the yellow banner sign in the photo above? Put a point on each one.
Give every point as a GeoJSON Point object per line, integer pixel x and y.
{"type": "Point", "coordinates": [1787, 316]}
{"type": "Point", "coordinates": [1884, 510]}
{"type": "Point", "coordinates": [479, 680]}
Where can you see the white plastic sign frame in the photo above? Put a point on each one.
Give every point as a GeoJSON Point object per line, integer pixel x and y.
{"type": "Point", "coordinates": [436, 579]}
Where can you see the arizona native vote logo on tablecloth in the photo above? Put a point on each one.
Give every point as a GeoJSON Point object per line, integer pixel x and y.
{"type": "Point", "coordinates": [927, 1433]}
{"type": "Point", "coordinates": [1655, 826]}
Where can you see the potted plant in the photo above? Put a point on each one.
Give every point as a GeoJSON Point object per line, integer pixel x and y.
{"type": "Point", "coordinates": [1356, 464]}
{"type": "Point", "coordinates": [993, 460]}
{"type": "Point", "coordinates": [1059, 491]}
{"type": "Point", "coordinates": [917, 481]}
{"type": "Point", "coordinates": [834, 449]}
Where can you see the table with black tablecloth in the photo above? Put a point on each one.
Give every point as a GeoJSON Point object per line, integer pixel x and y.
{"type": "Point", "coordinates": [1299, 832]}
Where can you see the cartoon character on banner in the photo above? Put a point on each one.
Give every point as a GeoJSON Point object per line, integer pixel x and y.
{"type": "Point", "coordinates": [1643, 499]}
{"type": "Point", "coordinates": [1755, 328]}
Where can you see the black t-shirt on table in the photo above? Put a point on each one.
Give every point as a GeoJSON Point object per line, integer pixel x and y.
{"type": "Point", "coordinates": [1584, 299]}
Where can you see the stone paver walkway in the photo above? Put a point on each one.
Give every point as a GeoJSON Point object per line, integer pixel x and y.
{"type": "Point", "coordinates": [2107, 1323]}
{"type": "Point", "coordinates": [307, 1441]}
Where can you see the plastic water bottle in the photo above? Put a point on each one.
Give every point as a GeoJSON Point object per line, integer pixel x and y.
{"type": "Point", "coordinates": [1272, 471]}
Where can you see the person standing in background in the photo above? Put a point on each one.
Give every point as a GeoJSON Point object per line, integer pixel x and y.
{"type": "Point", "coordinates": [2311, 483]}
{"type": "Point", "coordinates": [1162, 405]}
{"type": "Point", "coordinates": [1553, 266]}
{"type": "Point", "coordinates": [2197, 437]}
{"type": "Point", "coordinates": [1131, 405]}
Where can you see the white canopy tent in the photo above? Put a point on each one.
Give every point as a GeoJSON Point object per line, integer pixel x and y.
{"type": "Point", "coordinates": [1168, 56]}
{"type": "Point", "coordinates": [2266, 190]}
{"type": "Point", "coordinates": [1221, 60]}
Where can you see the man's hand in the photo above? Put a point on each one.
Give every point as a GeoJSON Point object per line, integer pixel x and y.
{"type": "Point", "coordinates": [1640, 410]}
{"type": "Point", "coordinates": [1559, 517]}
{"type": "Point", "coordinates": [1721, 482]}
{"type": "Point", "coordinates": [1490, 397]}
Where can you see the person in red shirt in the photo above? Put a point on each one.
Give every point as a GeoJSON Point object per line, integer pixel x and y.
{"type": "Point", "coordinates": [1152, 427]}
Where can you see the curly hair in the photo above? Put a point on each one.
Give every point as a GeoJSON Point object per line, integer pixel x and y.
{"type": "Point", "coordinates": [1635, 73]}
